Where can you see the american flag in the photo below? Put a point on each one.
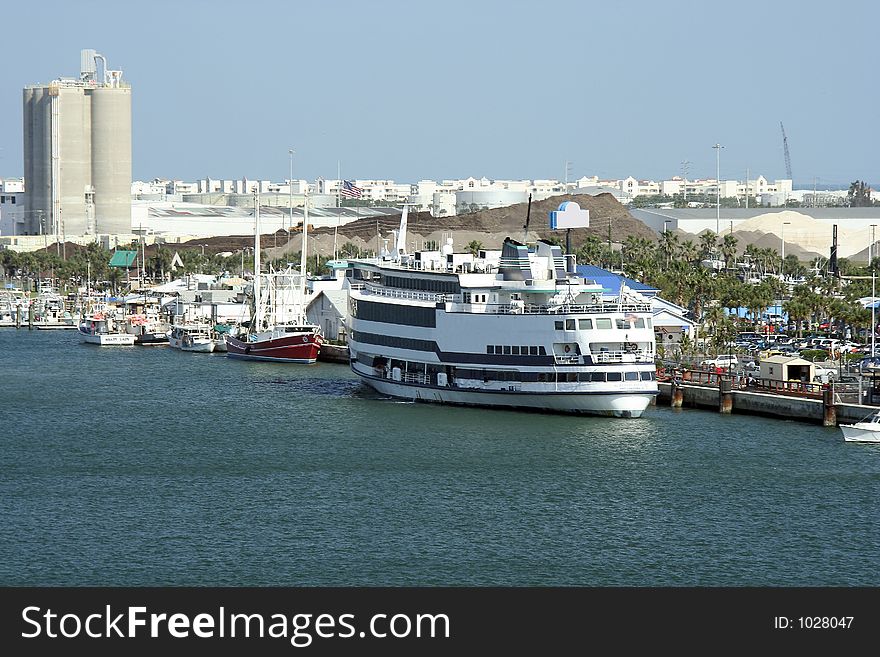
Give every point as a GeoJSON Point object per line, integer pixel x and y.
{"type": "Point", "coordinates": [349, 190]}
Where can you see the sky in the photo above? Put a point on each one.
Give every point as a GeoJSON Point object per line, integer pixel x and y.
{"type": "Point", "coordinates": [506, 89]}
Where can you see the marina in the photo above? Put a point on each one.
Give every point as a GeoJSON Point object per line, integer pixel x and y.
{"type": "Point", "coordinates": [210, 471]}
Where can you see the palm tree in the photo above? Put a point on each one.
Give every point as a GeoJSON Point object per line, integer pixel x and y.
{"type": "Point", "coordinates": [474, 247]}
{"type": "Point", "coordinates": [669, 245]}
{"type": "Point", "coordinates": [708, 243]}
{"type": "Point", "coordinates": [728, 249]}
{"type": "Point", "coordinates": [690, 252]}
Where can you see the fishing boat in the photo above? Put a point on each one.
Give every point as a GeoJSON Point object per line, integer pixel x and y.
{"type": "Point", "coordinates": [864, 431]}
{"type": "Point", "coordinates": [514, 329]}
{"type": "Point", "coordinates": [192, 337]}
{"type": "Point", "coordinates": [104, 330]}
{"type": "Point", "coordinates": [278, 330]}
{"type": "Point", "coordinates": [147, 329]}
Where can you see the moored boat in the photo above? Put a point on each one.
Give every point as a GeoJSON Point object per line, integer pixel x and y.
{"type": "Point", "coordinates": [103, 330]}
{"type": "Point", "coordinates": [865, 431]}
{"type": "Point", "coordinates": [513, 329]}
{"type": "Point", "coordinates": [278, 330]}
{"type": "Point", "coordinates": [191, 337]}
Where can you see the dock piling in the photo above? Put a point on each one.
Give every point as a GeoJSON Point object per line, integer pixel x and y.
{"type": "Point", "coordinates": [829, 410]}
{"type": "Point", "coordinates": [725, 395]}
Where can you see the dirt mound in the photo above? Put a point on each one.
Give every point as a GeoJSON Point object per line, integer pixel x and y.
{"type": "Point", "coordinates": [488, 227]}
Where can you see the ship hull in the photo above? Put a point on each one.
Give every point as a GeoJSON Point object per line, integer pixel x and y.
{"type": "Point", "coordinates": [605, 403]}
{"type": "Point", "coordinates": [292, 348]}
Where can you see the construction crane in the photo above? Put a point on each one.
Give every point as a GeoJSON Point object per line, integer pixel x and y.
{"type": "Point", "coordinates": [785, 150]}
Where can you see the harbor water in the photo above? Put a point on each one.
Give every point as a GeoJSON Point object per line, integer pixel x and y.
{"type": "Point", "coordinates": [145, 466]}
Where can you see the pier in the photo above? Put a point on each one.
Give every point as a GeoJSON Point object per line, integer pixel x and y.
{"type": "Point", "coordinates": [826, 404]}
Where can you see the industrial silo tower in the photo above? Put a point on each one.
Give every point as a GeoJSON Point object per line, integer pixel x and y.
{"type": "Point", "coordinates": [77, 153]}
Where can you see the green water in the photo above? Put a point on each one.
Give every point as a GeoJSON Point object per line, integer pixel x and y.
{"type": "Point", "coordinates": [149, 466]}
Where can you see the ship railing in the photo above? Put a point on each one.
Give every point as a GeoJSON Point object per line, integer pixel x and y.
{"type": "Point", "coordinates": [396, 293]}
{"type": "Point", "coordinates": [414, 377]}
{"type": "Point", "coordinates": [567, 359]}
{"type": "Point", "coordinates": [544, 309]}
{"type": "Point", "coordinates": [639, 356]}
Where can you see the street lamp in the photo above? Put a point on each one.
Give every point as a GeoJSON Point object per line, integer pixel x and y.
{"type": "Point", "coordinates": [718, 148]}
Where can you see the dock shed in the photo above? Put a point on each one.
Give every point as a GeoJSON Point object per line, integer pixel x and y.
{"type": "Point", "coordinates": [787, 368]}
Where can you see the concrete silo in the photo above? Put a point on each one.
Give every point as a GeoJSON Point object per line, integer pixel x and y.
{"type": "Point", "coordinates": [111, 158]}
{"type": "Point", "coordinates": [77, 153]}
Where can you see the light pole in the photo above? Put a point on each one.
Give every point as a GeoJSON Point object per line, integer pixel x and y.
{"type": "Point", "coordinates": [784, 224]}
{"type": "Point", "coordinates": [718, 148]}
{"type": "Point", "coordinates": [290, 194]}
{"type": "Point", "coordinates": [666, 223]}
{"type": "Point", "coordinates": [871, 247]}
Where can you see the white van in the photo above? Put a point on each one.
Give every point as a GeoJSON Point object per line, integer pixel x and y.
{"type": "Point", "coordinates": [725, 360]}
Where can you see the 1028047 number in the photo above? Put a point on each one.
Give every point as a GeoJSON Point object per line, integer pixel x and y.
{"type": "Point", "coordinates": [824, 622]}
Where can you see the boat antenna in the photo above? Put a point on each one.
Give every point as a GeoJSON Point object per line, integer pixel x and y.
{"type": "Point", "coordinates": [528, 216]}
{"type": "Point", "coordinates": [257, 308]}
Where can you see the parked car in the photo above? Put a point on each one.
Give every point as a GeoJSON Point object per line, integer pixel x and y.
{"type": "Point", "coordinates": [824, 374]}
{"type": "Point", "coordinates": [725, 361]}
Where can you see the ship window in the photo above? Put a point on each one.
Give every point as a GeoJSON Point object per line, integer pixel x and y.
{"type": "Point", "coordinates": [542, 351]}
{"type": "Point", "coordinates": [583, 377]}
{"type": "Point", "coordinates": [622, 324]}
{"type": "Point", "coordinates": [498, 349]}
{"type": "Point", "coordinates": [569, 325]}
{"type": "Point", "coordinates": [506, 350]}
{"type": "Point", "coordinates": [490, 349]}
{"type": "Point", "coordinates": [597, 377]}
{"type": "Point", "coordinates": [585, 324]}
{"type": "Point", "coordinates": [603, 323]}
{"type": "Point", "coordinates": [648, 322]}
{"type": "Point", "coordinates": [524, 351]}
{"type": "Point", "coordinates": [640, 322]}
{"type": "Point", "coordinates": [466, 297]}
{"type": "Point", "coordinates": [516, 350]}
{"type": "Point", "coordinates": [647, 376]}
{"type": "Point", "coordinates": [571, 377]}
{"type": "Point", "coordinates": [559, 324]}
{"type": "Point", "coordinates": [632, 376]}
{"type": "Point", "coordinates": [542, 377]}
{"type": "Point", "coordinates": [614, 376]}
{"type": "Point", "coordinates": [533, 351]}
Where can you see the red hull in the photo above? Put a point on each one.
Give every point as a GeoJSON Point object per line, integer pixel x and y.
{"type": "Point", "coordinates": [292, 348]}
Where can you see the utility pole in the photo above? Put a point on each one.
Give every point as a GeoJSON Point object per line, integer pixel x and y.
{"type": "Point", "coordinates": [685, 166]}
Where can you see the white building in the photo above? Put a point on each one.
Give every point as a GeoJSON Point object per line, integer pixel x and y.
{"type": "Point", "coordinates": [12, 214]}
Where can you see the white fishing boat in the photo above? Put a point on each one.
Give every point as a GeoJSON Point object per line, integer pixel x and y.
{"type": "Point", "coordinates": [864, 431]}
{"type": "Point", "coordinates": [192, 337]}
{"type": "Point", "coordinates": [513, 329]}
{"type": "Point", "coordinates": [103, 330]}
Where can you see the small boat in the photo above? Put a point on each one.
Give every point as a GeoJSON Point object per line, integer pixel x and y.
{"type": "Point", "coordinates": [103, 330]}
{"type": "Point", "coordinates": [191, 337]}
{"type": "Point", "coordinates": [147, 330]}
{"type": "Point", "coordinates": [864, 431]}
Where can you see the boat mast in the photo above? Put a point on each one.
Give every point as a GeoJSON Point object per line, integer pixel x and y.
{"type": "Point", "coordinates": [302, 261]}
{"type": "Point", "coordinates": [258, 314]}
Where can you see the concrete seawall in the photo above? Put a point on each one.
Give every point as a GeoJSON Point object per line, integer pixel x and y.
{"type": "Point", "coordinates": [818, 411]}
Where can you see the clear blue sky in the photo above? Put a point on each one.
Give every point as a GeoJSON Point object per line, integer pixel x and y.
{"type": "Point", "coordinates": [504, 89]}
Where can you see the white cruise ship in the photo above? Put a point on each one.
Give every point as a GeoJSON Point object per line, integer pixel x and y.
{"type": "Point", "coordinates": [507, 329]}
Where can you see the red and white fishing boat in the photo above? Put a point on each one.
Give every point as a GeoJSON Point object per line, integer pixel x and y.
{"type": "Point", "coordinates": [278, 328]}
